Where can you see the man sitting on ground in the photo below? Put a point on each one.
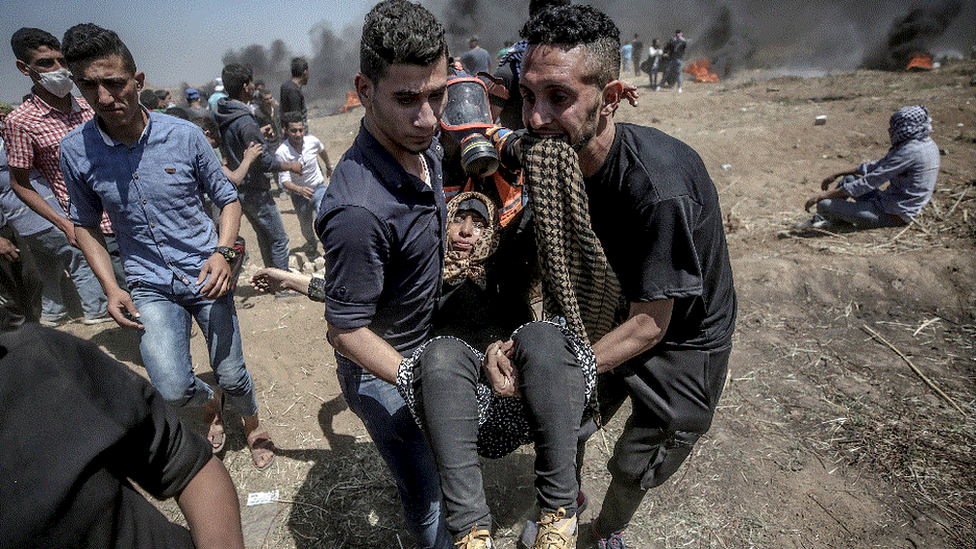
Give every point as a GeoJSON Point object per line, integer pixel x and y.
{"type": "Point", "coordinates": [910, 168]}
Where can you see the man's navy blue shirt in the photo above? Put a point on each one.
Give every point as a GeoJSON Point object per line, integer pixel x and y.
{"type": "Point", "coordinates": [383, 234]}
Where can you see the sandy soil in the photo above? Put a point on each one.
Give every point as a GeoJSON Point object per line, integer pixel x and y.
{"type": "Point", "coordinates": [825, 437]}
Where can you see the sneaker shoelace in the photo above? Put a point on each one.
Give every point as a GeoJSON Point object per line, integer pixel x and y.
{"type": "Point", "coordinates": [475, 539]}
{"type": "Point", "coordinates": [549, 535]}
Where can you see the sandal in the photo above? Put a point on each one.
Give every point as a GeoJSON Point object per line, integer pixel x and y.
{"type": "Point", "coordinates": [262, 447]}
{"type": "Point", "coordinates": [215, 431]}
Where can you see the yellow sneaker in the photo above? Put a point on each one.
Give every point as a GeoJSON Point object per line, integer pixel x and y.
{"type": "Point", "coordinates": [556, 531]}
{"type": "Point", "coordinates": [475, 539]}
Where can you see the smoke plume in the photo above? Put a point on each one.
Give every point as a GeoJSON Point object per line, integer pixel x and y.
{"type": "Point", "coordinates": [913, 34]}
{"type": "Point", "coordinates": [785, 35]}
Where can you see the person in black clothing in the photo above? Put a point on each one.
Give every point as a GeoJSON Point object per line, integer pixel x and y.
{"type": "Point", "coordinates": [239, 129]}
{"type": "Point", "coordinates": [656, 218]}
{"type": "Point", "coordinates": [674, 52]}
{"type": "Point", "coordinates": [20, 282]}
{"type": "Point", "coordinates": [505, 94]}
{"type": "Point", "coordinates": [79, 430]}
{"type": "Point", "coordinates": [637, 54]}
{"type": "Point", "coordinates": [292, 98]}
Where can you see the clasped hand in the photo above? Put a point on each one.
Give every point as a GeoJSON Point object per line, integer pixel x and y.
{"type": "Point", "coordinates": [498, 366]}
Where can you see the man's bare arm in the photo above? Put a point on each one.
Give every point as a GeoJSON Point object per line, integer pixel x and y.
{"type": "Point", "coordinates": [324, 155]}
{"type": "Point", "coordinates": [20, 183]}
{"type": "Point", "coordinates": [367, 349]}
{"type": "Point", "coordinates": [92, 244]}
{"type": "Point", "coordinates": [209, 503]}
{"type": "Point", "coordinates": [644, 329]}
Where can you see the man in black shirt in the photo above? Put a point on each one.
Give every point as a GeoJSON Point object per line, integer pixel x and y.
{"type": "Point", "coordinates": [381, 224]}
{"type": "Point", "coordinates": [78, 430]}
{"type": "Point", "coordinates": [292, 98]}
{"type": "Point", "coordinates": [674, 52]}
{"type": "Point", "coordinates": [655, 211]}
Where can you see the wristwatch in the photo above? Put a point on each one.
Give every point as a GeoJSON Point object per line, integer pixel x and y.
{"type": "Point", "coordinates": [230, 254]}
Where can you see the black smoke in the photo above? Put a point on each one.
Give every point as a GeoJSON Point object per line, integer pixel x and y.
{"type": "Point", "coordinates": [269, 64]}
{"type": "Point", "coordinates": [737, 34]}
{"type": "Point", "coordinates": [913, 34]}
{"type": "Point", "coordinates": [332, 67]}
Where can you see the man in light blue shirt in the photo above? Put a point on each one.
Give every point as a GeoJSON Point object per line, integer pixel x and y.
{"type": "Point", "coordinates": [149, 172]}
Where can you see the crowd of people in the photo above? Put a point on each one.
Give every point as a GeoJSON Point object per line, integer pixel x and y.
{"type": "Point", "coordinates": [427, 290]}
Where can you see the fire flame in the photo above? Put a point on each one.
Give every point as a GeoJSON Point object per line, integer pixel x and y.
{"type": "Point", "coordinates": [919, 62]}
{"type": "Point", "coordinates": [702, 71]}
{"type": "Point", "coordinates": [352, 101]}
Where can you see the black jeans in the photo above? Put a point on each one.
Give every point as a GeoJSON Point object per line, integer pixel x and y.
{"type": "Point", "coordinates": [551, 383]}
{"type": "Point", "coordinates": [674, 394]}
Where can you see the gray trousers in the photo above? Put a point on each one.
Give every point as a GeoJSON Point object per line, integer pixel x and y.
{"type": "Point", "coordinates": [673, 394]}
{"type": "Point", "coordinates": [551, 383]}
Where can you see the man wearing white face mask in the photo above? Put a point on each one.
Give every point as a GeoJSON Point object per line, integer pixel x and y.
{"type": "Point", "coordinates": [33, 131]}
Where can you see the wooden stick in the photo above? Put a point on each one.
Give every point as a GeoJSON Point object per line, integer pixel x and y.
{"type": "Point", "coordinates": [915, 369]}
{"type": "Point", "coordinates": [953, 208]}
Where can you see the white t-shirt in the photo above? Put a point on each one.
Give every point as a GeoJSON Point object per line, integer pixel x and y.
{"type": "Point", "coordinates": [311, 172]}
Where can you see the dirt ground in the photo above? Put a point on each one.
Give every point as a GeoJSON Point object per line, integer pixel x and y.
{"type": "Point", "coordinates": [825, 437]}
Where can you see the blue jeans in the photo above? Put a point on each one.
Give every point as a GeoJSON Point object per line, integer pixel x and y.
{"type": "Point", "coordinates": [864, 212]}
{"type": "Point", "coordinates": [261, 211]}
{"type": "Point", "coordinates": [53, 255]}
{"type": "Point", "coordinates": [403, 447]}
{"type": "Point", "coordinates": [307, 210]}
{"type": "Point", "coordinates": [165, 346]}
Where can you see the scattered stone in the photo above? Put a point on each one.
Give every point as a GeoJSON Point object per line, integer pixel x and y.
{"type": "Point", "coordinates": [820, 120]}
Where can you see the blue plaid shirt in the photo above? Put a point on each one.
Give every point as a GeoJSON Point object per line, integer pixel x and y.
{"type": "Point", "coordinates": [153, 193]}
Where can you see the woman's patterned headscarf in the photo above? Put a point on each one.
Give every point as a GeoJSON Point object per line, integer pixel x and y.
{"type": "Point", "coordinates": [909, 123]}
{"type": "Point", "coordinates": [457, 267]}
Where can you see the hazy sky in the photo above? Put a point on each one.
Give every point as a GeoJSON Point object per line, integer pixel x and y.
{"type": "Point", "coordinates": [174, 41]}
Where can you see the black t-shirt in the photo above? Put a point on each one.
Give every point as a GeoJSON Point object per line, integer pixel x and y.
{"type": "Point", "coordinates": [657, 215]}
{"type": "Point", "coordinates": [75, 426]}
{"type": "Point", "coordinates": [292, 99]}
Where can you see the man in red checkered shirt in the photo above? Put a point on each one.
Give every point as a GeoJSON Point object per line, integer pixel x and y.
{"type": "Point", "coordinates": [33, 131]}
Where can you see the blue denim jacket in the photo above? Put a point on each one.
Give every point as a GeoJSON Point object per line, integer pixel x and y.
{"type": "Point", "coordinates": [153, 193]}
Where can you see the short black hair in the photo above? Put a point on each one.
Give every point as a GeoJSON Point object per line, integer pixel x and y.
{"type": "Point", "coordinates": [398, 32]}
{"type": "Point", "coordinates": [208, 124]}
{"type": "Point", "coordinates": [149, 99]}
{"type": "Point", "coordinates": [298, 66]}
{"type": "Point", "coordinates": [88, 41]}
{"type": "Point", "coordinates": [161, 94]}
{"type": "Point", "coordinates": [178, 112]}
{"type": "Point", "coordinates": [291, 117]}
{"type": "Point", "coordinates": [27, 39]}
{"type": "Point", "coordinates": [535, 6]}
{"type": "Point", "coordinates": [235, 77]}
{"type": "Point", "coordinates": [570, 26]}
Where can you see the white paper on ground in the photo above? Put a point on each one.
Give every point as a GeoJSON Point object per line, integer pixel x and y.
{"type": "Point", "coordinates": [262, 498]}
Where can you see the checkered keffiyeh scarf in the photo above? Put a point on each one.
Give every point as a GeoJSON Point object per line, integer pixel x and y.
{"type": "Point", "coordinates": [577, 281]}
{"type": "Point", "coordinates": [909, 123]}
{"type": "Point", "coordinates": [457, 267]}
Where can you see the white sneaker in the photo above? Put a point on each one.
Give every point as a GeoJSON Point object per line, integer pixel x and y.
{"type": "Point", "coordinates": [815, 222]}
